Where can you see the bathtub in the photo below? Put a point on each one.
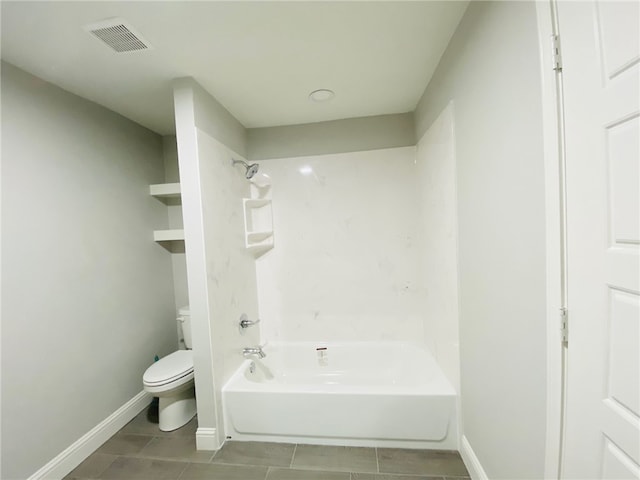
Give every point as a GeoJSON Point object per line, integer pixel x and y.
{"type": "Point", "coordinates": [359, 394]}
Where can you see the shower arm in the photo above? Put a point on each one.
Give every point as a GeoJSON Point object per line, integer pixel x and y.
{"type": "Point", "coordinates": [234, 161]}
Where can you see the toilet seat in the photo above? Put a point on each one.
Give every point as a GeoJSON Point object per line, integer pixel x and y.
{"type": "Point", "coordinates": [176, 368]}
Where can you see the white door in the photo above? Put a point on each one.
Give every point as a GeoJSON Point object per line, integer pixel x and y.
{"type": "Point", "coordinates": [600, 47]}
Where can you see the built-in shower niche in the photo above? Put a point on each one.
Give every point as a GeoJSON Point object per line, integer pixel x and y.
{"type": "Point", "coordinates": [258, 217]}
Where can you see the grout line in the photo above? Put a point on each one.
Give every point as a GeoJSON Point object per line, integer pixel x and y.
{"type": "Point", "coordinates": [377, 461]}
{"type": "Point", "coordinates": [257, 465]}
{"type": "Point", "coordinates": [139, 452]}
{"type": "Point", "coordinates": [295, 448]}
{"type": "Point", "coordinates": [215, 452]}
{"type": "Point", "coordinates": [103, 470]}
{"type": "Point", "coordinates": [186, 465]}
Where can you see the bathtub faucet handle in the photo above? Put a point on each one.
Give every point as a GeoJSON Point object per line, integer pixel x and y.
{"type": "Point", "coordinates": [250, 351]}
{"type": "Point", "coordinates": [245, 322]}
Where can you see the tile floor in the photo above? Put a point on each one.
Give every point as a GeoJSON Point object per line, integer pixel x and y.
{"type": "Point", "coordinates": [141, 451]}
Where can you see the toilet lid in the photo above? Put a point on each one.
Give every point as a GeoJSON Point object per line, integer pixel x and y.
{"type": "Point", "coordinates": [169, 368]}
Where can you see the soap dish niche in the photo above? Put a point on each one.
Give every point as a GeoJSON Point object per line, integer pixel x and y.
{"type": "Point", "coordinates": [258, 224]}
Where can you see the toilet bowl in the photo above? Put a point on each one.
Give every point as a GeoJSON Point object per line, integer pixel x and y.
{"type": "Point", "coordinates": [171, 380]}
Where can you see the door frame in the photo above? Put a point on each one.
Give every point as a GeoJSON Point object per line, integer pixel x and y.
{"type": "Point", "coordinates": [555, 212]}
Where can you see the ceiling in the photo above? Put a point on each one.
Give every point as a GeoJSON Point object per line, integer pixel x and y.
{"type": "Point", "coordinates": [259, 59]}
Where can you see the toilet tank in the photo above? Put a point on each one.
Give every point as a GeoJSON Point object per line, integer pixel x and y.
{"type": "Point", "coordinates": [184, 317]}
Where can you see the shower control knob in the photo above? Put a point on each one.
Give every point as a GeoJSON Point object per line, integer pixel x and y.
{"type": "Point", "coordinates": [245, 322]}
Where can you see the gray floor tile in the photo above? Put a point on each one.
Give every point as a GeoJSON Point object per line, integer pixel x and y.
{"type": "Point", "coordinates": [141, 425]}
{"type": "Point", "coordinates": [289, 474]}
{"type": "Point", "coordinates": [92, 467]}
{"type": "Point", "coordinates": [390, 476]}
{"type": "Point", "coordinates": [140, 451]}
{"type": "Point", "coordinates": [256, 453]}
{"type": "Point", "coordinates": [124, 444]}
{"type": "Point", "coordinates": [343, 459]}
{"type": "Point", "coordinates": [201, 471]}
{"type": "Point", "coordinates": [175, 448]}
{"type": "Point", "coordinates": [421, 462]}
{"type": "Point", "coordinates": [131, 468]}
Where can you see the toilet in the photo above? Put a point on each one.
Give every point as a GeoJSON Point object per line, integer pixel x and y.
{"type": "Point", "coordinates": [171, 380]}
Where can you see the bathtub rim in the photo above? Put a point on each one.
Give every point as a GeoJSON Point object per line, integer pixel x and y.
{"type": "Point", "coordinates": [238, 382]}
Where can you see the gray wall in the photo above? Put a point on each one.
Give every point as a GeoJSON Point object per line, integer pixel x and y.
{"type": "Point", "coordinates": [87, 295]}
{"type": "Point", "coordinates": [213, 118]}
{"type": "Point", "coordinates": [336, 136]}
{"type": "Point", "coordinates": [491, 71]}
{"type": "Point", "coordinates": [174, 208]}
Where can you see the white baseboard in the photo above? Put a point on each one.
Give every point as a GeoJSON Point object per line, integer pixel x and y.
{"type": "Point", "coordinates": [207, 439]}
{"type": "Point", "coordinates": [471, 461]}
{"type": "Point", "coordinates": [75, 454]}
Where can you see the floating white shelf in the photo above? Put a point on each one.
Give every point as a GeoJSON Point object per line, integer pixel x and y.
{"type": "Point", "coordinates": [171, 195]}
{"type": "Point", "coordinates": [165, 190]}
{"type": "Point", "coordinates": [168, 235]}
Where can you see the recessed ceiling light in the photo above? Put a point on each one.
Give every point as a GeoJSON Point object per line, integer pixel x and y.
{"type": "Point", "coordinates": [322, 95]}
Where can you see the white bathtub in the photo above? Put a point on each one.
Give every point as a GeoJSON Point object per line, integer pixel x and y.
{"type": "Point", "coordinates": [361, 394]}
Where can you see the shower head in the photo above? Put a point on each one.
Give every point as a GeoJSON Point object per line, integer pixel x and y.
{"type": "Point", "coordinates": [251, 169]}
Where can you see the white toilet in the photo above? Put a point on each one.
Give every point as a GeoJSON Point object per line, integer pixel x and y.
{"type": "Point", "coordinates": [171, 380]}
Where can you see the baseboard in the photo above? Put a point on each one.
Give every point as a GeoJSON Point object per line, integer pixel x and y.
{"type": "Point", "coordinates": [75, 454]}
{"type": "Point", "coordinates": [471, 461]}
{"type": "Point", "coordinates": [207, 439]}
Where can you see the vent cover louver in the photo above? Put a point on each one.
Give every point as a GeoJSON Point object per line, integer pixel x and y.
{"type": "Point", "coordinates": [118, 34]}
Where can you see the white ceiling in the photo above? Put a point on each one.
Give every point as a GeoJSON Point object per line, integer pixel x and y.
{"type": "Point", "coordinates": [259, 59]}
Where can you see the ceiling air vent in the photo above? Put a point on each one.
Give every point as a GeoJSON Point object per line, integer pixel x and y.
{"type": "Point", "coordinates": [118, 34]}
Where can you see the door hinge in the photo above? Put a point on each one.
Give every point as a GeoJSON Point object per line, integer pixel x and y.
{"type": "Point", "coordinates": [555, 53]}
{"type": "Point", "coordinates": [564, 325]}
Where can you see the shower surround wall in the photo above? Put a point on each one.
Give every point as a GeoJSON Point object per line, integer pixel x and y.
{"type": "Point", "coordinates": [344, 266]}
{"type": "Point", "coordinates": [366, 248]}
{"type": "Point", "coordinates": [438, 216]}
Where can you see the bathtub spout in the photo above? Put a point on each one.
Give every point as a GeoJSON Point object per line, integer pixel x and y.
{"type": "Point", "coordinates": [249, 351]}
